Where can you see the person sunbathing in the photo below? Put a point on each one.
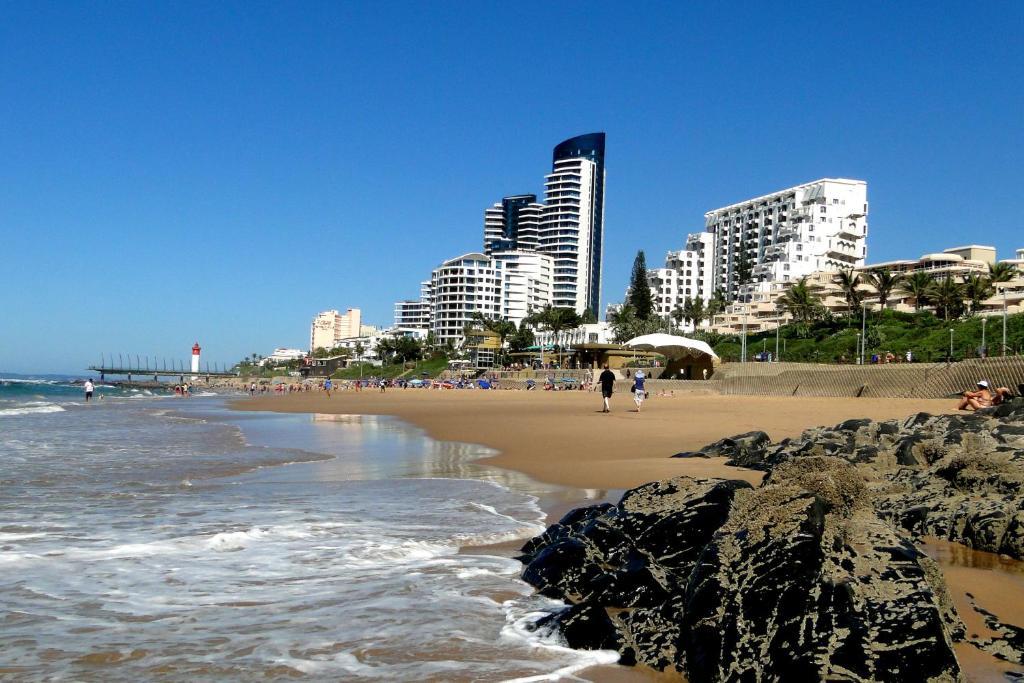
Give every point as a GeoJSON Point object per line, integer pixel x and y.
{"type": "Point", "coordinates": [984, 397]}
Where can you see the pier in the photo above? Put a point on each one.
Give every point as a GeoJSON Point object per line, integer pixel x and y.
{"type": "Point", "coordinates": [144, 366]}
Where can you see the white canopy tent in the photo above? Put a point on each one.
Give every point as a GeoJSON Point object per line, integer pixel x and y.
{"type": "Point", "coordinates": [674, 347]}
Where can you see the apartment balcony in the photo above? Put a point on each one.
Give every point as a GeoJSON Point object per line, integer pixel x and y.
{"type": "Point", "coordinates": [849, 232]}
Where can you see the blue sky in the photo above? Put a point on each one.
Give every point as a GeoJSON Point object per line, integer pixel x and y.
{"type": "Point", "coordinates": [222, 171]}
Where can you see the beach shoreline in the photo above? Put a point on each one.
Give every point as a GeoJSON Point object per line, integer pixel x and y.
{"type": "Point", "coordinates": [563, 439]}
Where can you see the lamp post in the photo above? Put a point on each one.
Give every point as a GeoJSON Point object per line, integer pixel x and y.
{"type": "Point", "coordinates": [743, 342]}
{"type": "Point", "coordinates": [778, 326]}
{"type": "Point", "coordinates": [860, 360]}
{"type": "Point", "coordinates": [984, 351]}
{"type": "Point", "coordinates": [1004, 321]}
{"type": "Point", "coordinates": [951, 345]}
{"type": "Point", "coordinates": [863, 330]}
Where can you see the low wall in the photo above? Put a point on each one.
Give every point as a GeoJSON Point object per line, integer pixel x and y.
{"type": "Point", "coordinates": [915, 380]}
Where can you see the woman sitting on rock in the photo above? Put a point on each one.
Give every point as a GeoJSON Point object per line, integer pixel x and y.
{"type": "Point", "coordinates": [983, 397]}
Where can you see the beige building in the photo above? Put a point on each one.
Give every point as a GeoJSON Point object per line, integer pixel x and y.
{"type": "Point", "coordinates": [329, 327]}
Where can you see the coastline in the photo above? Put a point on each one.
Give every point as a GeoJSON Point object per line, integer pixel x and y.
{"type": "Point", "coordinates": [563, 439]}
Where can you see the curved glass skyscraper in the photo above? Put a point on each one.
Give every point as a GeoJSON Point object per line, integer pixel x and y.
{"type": "Point", "coordinates": [572, 225]}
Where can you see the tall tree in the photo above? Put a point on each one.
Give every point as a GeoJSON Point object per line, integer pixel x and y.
{"type": "Point", "coordinates": [849, 284]}
{"type": "Point", "coordinates": [521, 339]}
{"type": "Point", "coordinates": [502, 328]}
{"type": "Point", "coordinates": [640, 297]}
{"type": "Point", "coordinates": [917, 286]}
{"type": "Point", "coordinates": [743, 268]}
{"type": "Point", "coordinates": [556, 320]}
{"type": "Point", "coordinates": [883, 282]}
{"type": "Point", "coordinates": [947, 295]}
{"type": "Point", "coordinates": [1002, 272]}
{"type": "Point", "coordinates": [801, 301]}
{"type": "Point", "coordinates": [977, 288]}
{"type": "Point", "coordinates": [717, 303]}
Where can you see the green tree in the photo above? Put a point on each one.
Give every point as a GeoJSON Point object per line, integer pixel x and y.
{"type": "Point", "coordinates": [521, 339]}
{"type": "Point", "coordinates": [717, 303]}
{"type": "Point", "coordinates": [385, 350]}
{"type": "Point", "coordinates": [849, 284]}
{"type": "Point", "coordinates": [977, 288]}
{"type": "Point", "coordinates": [588, 317]}
{"type": "Point", "coordinates": [626, 325]}
{"type": "Point", "coordinates": [947, 295]}
{"type": "Point", "coordinates": [502, 328]}
{"type": "Point", "coordinates": [555, 319]}
{"type": "Point", "coordinates": [883, 281]}
{"type": "Point", "coordinates": [407, 349]}
{"type": "Point", "coordinates": [693, 311]}
{"type": "Point", "coordinates": [640, 297]}
{"type": "Point", "coordinates": [743, 268]}
{"type": "Point", "coordinates": [801, 302]}
{"type": "Point", "coordinates": [917, 286]}
{"type": "Point", "coordinates": [1002, 272]}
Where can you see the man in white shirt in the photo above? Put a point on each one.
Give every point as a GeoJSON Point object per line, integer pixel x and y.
{"type": "Point", "coordinates": [89, 388]}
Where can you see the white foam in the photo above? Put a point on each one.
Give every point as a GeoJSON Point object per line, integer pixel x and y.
{"type": "Point", "coordinates": [31, 409]}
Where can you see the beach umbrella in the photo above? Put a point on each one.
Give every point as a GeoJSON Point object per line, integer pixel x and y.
{"type": "Point", "coordinates": [484, 384]}
{"type": "Point", "coordinates": [416, 382]}
{"type": "Point", "coordinates": [672, 346]}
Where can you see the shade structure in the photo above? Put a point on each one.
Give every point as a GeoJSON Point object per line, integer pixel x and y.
{"type": "Point", "coordinates": [673, 346]}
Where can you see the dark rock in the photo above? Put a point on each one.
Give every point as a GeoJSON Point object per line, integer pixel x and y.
{"type": "Point", "coordinates": [585, 626]}
{"type": "Point", "coordinates": [743, 450]}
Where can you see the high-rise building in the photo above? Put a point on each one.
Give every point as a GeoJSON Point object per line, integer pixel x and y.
{"type": "Point", "coordinates": [786, 235]}
{"type": "Point", "coordinates": [526, 283]}
{"type": "Point", "coordinates": [568, 226]}
{"type": "Point", "coordinates": [513, 224]}
{"type": "Point", "coordinates": [461, 288]}
{"type": "Point", "coordinates": [330, 326]}
{"type": "Point", "coordinates": [572, 227]}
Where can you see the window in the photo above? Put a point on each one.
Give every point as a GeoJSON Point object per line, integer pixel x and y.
{"type": "Point", "coordinates": [824, 209]}
{"type": "Point", "coordinates": [835, 201]}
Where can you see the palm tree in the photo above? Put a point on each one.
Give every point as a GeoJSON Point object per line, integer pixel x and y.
{"type": "Point", "coordinates": [385, 349]}
{"type": "Point", "coordinates": [716, 304]}
{"type": "Point", "coordinates": [801, 302]}
{"type": "Point", "coordinates": [849, 284]}
{"type": "Point", "coordinates": [917, 286]}
{"type": "Point", "coordinates": [556, 319]}
{"type": "Point", "coordinates": [1001, 272]}
{"type": "Point", "coordinates": [694, 311]}
{"type": "Point", "coordinates": [947, 295]}
{"type": "Point", "coordinates": [883, 281]}
{"type": "Point", "coordinates": [977, 288]}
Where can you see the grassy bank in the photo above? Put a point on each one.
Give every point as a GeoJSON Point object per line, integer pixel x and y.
{"type": "Point", "coordinates": [921, 333]}
{"type": "Point", "coordinates": [431, 366]}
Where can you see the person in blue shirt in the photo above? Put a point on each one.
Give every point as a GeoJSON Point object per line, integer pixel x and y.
{"type": "Point", "coordinates": [328, 386]}
{"type": "Point", "coordinates": [639, 393]}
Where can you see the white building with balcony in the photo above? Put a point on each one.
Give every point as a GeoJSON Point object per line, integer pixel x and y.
{"type": "Point", "coordinates": [330, 326]}
{"type": "Point", "coordinates": [526, 283]}
{"type": "Point", "coordinates": [783, 236]}
{"type": "Point", "coordinates": [688, 274]}
{"type": "Point", "coordinates": [461, 288]}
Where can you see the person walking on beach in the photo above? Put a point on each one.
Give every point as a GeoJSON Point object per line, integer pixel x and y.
{"type": "Point", "coordinates": [639, 393]}
{"type": "Point", "coordinates": [89, 387]}
{"type": "Point", "coordinates": [383, 385]}
{"type": "Point", "coordinates": [607, 380]}
{"type": "Point", "coordinates": [328, 386]}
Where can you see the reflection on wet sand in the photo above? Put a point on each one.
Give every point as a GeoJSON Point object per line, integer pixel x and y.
{"type": "Point", "coordinates": [996, 584]}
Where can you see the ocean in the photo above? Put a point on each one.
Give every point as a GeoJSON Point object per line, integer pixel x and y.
{"type": "Point", "coordinates": [145, 536]}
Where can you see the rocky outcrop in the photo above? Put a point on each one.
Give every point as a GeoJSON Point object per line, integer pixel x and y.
{"type": "Point", "coordinates": [811, 576]}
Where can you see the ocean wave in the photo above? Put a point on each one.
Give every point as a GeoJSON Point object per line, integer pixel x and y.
{"type": "Point", "coordinates": [29, 409]}
{"type": "Point", "coordinates": [522, 628]}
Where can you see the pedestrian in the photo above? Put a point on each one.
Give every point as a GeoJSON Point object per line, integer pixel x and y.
{"type": "Point", "coordinates": [328, 386]}
{"type": "Point", "coordinates": [383, 385]}
{"type": "Point", "coordinates": [252, 390]}
{"type": "Point", "coordinates": [607, 380]}
{"type": "Point", "coordinates": [89, 387]}
{"type": "Point", "coordinates": [639, 393]}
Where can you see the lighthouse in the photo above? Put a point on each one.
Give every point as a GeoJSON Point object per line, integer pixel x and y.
{"type": "Point", "coordinates": [195, 358]}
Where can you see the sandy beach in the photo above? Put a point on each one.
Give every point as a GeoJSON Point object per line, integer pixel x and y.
{"type": "Point", "coordinates": [564, 438]}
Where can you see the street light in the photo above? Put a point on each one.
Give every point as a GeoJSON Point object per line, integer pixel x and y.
{"type": "Point", "coordinates": [743, 342]}
{"type": "Point", "coordinates": [951, 345]}
{"type": "Point", "coordinates": [778, 326]}
{"type": "Point", "coordinates": [984, 350]}
{"type": "Point", "coordinates": [863, 330]}
{"type": "Point", "coordinates": [1004, 320]}
{"type": "Point", "coordinates": [860, 359]}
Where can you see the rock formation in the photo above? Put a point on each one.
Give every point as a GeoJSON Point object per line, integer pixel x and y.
{"type": "Point", "coordinates": [811, 576]}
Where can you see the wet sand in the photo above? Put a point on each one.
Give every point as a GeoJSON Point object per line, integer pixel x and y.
{"type": "Point", "coordinates": [563, 438]}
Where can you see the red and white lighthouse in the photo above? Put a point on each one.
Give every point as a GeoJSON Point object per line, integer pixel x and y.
{"type": "Point", "coordinates": [195, 358]}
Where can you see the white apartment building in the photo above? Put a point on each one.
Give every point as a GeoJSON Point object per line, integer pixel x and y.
{"type": "Point", "coordinates": [589, 333]}
{"type": "Point", "coordinates": [283, 355]}
{"type": "Point", "coordinates": [527, 279]}
{"type": "Point", "coordinates": [330, 326]}
{"type": "Point", "coordinates": [688, 273]}
{"type": "Point", "coordinates": [460, 288]}
{"type": "Point", "coordinates": [415, 313]}
{"type": "Point", "coordinates": [567, 231]}
{"type": "Point", "coordinates": [785, 235]}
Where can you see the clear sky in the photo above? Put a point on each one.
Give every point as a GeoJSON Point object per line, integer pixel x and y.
{"type": "Point", "coordinates": [222, 171]}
